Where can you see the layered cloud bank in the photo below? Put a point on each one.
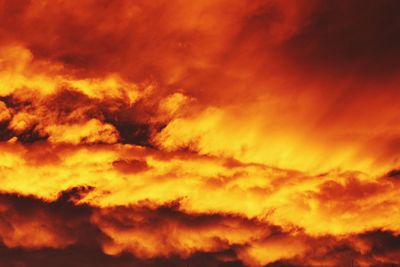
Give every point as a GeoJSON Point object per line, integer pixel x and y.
{"type": "Point", "coordinates": [210, 133]}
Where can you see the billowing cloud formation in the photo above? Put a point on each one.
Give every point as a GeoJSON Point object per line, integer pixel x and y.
{"type": "Point", "coordinates": [155, 236]}
{"type": "Point", "coordinates": [154, 204]}
{"type": "Point", "coordinates": [208, 133]}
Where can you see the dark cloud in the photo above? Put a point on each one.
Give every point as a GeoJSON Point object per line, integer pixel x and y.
{"type": "Point", "coordinates": [93, 257]}
{"type": "Point", "coordinates": [79, 240]}
{"type": "Point", "coordinates": [135, 124]}
{"type": "Point", "coordinates": [395, 174]}
{"type": "Point", "coordinates": [384, 246]}
{"type": "Point", "coordinates": [130, 166]}
{"type": "Point", "coordinates": [71, 223]}
{"type": "Point", "coordinates": [74, 194]}
{"type": "Point", "coordinates": [353, 189]}
{"type": "Point", "coordinates": [29, 223]}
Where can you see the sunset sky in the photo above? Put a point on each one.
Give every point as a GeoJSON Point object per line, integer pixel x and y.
{"type": "Point", "coordinates": [204, 133]}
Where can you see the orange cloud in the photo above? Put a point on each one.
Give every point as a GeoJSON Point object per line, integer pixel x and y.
{"type": "Point", "coordinates": [208, 133]}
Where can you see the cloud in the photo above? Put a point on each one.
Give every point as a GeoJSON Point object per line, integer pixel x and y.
{"type": "Point", "coordinates": [150, 235]}
{"type": "Point", "coordinates": [29, 223]}
{"type": "Point", "coordinates": [305, 101]}
{"type": "Point", "coordinates": [347, 202]}
{"type": "Point", "coordinates": [131, 166]}
{"type": "Point", "coordinates": [214, 133]}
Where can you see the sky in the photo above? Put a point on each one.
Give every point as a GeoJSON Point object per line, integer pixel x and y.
{"type": "Point", "coordinates": [199, 133]}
